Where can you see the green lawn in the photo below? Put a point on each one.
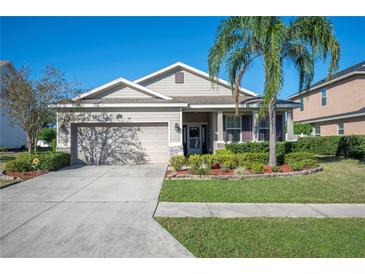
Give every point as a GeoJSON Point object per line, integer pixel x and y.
{"type": "Point", "coordinates": [269, 237]}
{"type": "Point", "coordinates": [340, 182]}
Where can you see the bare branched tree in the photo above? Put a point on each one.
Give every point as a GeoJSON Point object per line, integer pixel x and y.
{"type": "Point", "coordinates": [27, 101]}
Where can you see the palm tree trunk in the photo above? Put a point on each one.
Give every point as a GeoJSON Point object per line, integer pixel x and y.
{"type": "Point", "coordinates": [272, 120]}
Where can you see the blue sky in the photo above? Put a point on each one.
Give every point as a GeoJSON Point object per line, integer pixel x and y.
{"type": "Point", "coordinates": [95, 50]}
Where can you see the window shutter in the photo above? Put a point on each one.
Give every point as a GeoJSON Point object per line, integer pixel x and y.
{"type": "Point", "coordinates": [179, 77]}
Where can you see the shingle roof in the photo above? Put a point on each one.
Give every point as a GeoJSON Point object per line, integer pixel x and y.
{"type": "Point", "coordinates": [192, 100]}
{"type": "Point", "coordinates": [178, 99]}
{"type": "Point", "coordinates": [360, 67]}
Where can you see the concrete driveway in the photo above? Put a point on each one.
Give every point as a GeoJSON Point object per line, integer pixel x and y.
{"type": "Point", "coordinates": [90, 211]}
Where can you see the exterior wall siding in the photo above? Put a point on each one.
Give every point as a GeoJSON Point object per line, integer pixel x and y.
{"type": "Point", "coordinates": [65, 119]}
{"type": "Point", "coordinates": [344, 96]}
{"type": "Point", "coordinates": [122, 91]}
{"type": "Point", "coordinates": [352, 126]}
{"type": "Point", "coordinates": [193, 85]}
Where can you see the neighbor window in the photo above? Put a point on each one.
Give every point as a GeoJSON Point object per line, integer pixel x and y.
{"type": "Point", "coordinates": [264, 129]}
{"type": "Point", "coordinates": [317, 131]}
{"type": "Point", "coordinates": [323, 97]}
{"type": "Point", "coordinates": [233, 128]}
{"type": "Point", "coordinates": [340, 129]}
{"type": "Point", "coordinates": [302, 102]}
{"type": "Point", "coordinates": [179, 77]}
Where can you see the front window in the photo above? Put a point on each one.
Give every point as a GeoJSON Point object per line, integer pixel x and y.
{"type": "Point", "coordinates": [264, 129]}
{"type": "Point", "coordinates": [233, 128]}
{"type": "Point", "coordinates": [323, 97]}
{"type": "Point", "coordinates": [317, 131]}
{"type": "Point", "coordinates": [340, 129]}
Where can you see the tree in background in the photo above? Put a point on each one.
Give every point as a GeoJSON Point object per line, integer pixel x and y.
{"type": "Point", "coordinates": [300, 128]}
{"type": "Point", "coordinates": [27, 101]}
{"type": "Point", "coordinates": [47, 134]}
{"type": "Point", "coordinates": [241, 40]}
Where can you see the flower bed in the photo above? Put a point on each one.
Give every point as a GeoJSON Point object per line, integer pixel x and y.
{"type": "Point", "coordinates": [25, 175]}
{"type": "Point", "coordinates": [230, 175]}
{"type": "Point", "coordinates": [226, 164]}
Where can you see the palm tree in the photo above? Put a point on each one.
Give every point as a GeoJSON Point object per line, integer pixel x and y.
{"type": "Point", "coordinates": [240, 40]}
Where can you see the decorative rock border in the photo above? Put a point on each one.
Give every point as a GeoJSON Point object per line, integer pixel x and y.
{"type": "Point", "coordinates": [176, 176]}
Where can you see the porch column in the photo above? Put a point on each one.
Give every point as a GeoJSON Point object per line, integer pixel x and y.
{"type": "Point", "coordinates": [220, 135]}
{"type": "Point", "coordinates": [220, 126]}
{"type": "Point", "coordinates": [290, 126]}
{"type": "Point", "coordinates": [255, 116]}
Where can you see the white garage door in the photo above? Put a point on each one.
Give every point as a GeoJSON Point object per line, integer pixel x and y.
{"type": "Point", "coordinates": [110, 143]}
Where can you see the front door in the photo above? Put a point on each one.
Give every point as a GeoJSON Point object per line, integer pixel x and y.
{"type": "Point", "coordinates": [194, 140]}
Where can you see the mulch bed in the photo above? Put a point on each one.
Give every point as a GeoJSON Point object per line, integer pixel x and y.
{"type": "Point", "coordinates": [26, 175]}
{"type": "Point", "coordinates": [217, 173]}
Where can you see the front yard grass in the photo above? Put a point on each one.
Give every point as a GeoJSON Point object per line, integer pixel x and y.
{"type": "Point", "coordinates": [269, 237]}
{"type": "Point", "coordinates": [341, 181]}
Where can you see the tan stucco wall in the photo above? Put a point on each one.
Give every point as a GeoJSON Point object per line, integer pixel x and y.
{"type": "Point", "coordinates": [352, 126]}
{"type": "Point", "coordinates": [344, 96]}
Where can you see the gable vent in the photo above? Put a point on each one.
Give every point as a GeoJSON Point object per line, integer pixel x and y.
{"type": "Point", "coordinates": [179, 77]}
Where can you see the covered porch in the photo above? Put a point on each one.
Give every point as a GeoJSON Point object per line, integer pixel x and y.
{"type": "Point", "coordinates": [205, 131]}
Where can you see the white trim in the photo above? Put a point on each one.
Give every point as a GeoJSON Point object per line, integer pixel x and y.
{"type": "Point", "coordinates": [112, 105]}
{"type": "Point", "coordinates": [181, 125]}
{"type": "Point", "coordinates": [244, 106]}
{"type": "Point", "coordinates": [338, 128]}
{"type": "Point", "coordinates": [225, 115]}
{"type": "Point", "coordinates": [331, 118]}
{"type": "Point", "coordinates": [326, 83]}
{"type": "Point", "coordinates": [322, 97]}
{"type": "Point", "coordinates": [193, 70]}
{"type": "Point", "coordinates": [128, 84]}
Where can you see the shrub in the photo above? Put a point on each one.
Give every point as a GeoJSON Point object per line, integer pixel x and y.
{"type": "Point", "coordinates": [195, 161]}
{"type": "Point", "coordinates": [331, 145]}
{"type": "Point", "coordinates": [47, 134]}
{"type": "Point", "coordinates": [357, 152]}
{"type": "Point", "coordinates": [307, 163]}
{"type": "Point", "coordinates": [177, 162]}
{"type": "Point", "coordinates": [245, 159]}
{"type": "Point", "coordinates": [275, 169]}
{"type": "Point", "coordinates": [54, 145]}
{"type": "Point", "coordinates": [240, 171]}
{"type": "Point", "coordinates": [47, 161]}
{"type": "Point", "coordinates": [3, 149]}
{"type": "Point", "coordinates": [257, 168]}
{"type": "Point", "coordinates": [18, 165]}
{"type": "Point", "coordinates": [260, 147]}
{"type": "Point", "coordinates": [298, 156]}
{"type": "Point", "coordinates": [202, 170]}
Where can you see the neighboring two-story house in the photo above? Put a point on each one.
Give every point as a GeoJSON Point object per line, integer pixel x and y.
{"type": "Point", "coordinates": [175, 110]}
{"type": "Point", "coordinates": [335, 106]}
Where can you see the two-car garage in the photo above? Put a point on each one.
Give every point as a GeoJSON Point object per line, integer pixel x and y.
{"type": "Point", "coordinates": [119, 143]}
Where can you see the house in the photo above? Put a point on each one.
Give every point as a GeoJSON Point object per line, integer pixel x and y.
{"type": "Point", "coordinates": [175, 110]}
{"type": "Point", "coordinates": [335, 106]}
{"type": "Point", "coordinates": [10, 136]}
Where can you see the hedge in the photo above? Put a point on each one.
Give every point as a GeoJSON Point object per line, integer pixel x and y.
{"type": "Point", "coordinates": [38, 161]}
{"type": "Point", "coordinates": [344, 146]}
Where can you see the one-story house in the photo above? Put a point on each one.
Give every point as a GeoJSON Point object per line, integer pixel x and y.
{"type": "Point", "coordinates": [175, 110]}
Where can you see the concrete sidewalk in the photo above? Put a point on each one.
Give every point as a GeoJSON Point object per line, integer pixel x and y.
{"type": "Point", "coordinates": [233, 210]}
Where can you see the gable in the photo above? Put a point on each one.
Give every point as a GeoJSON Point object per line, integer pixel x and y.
{"type": "Point", "coordinates": [121, 88]}
{"type": "Point", "coordinates": [121, 91]}
{"type": "Point", "coordinates": [193, 85]}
